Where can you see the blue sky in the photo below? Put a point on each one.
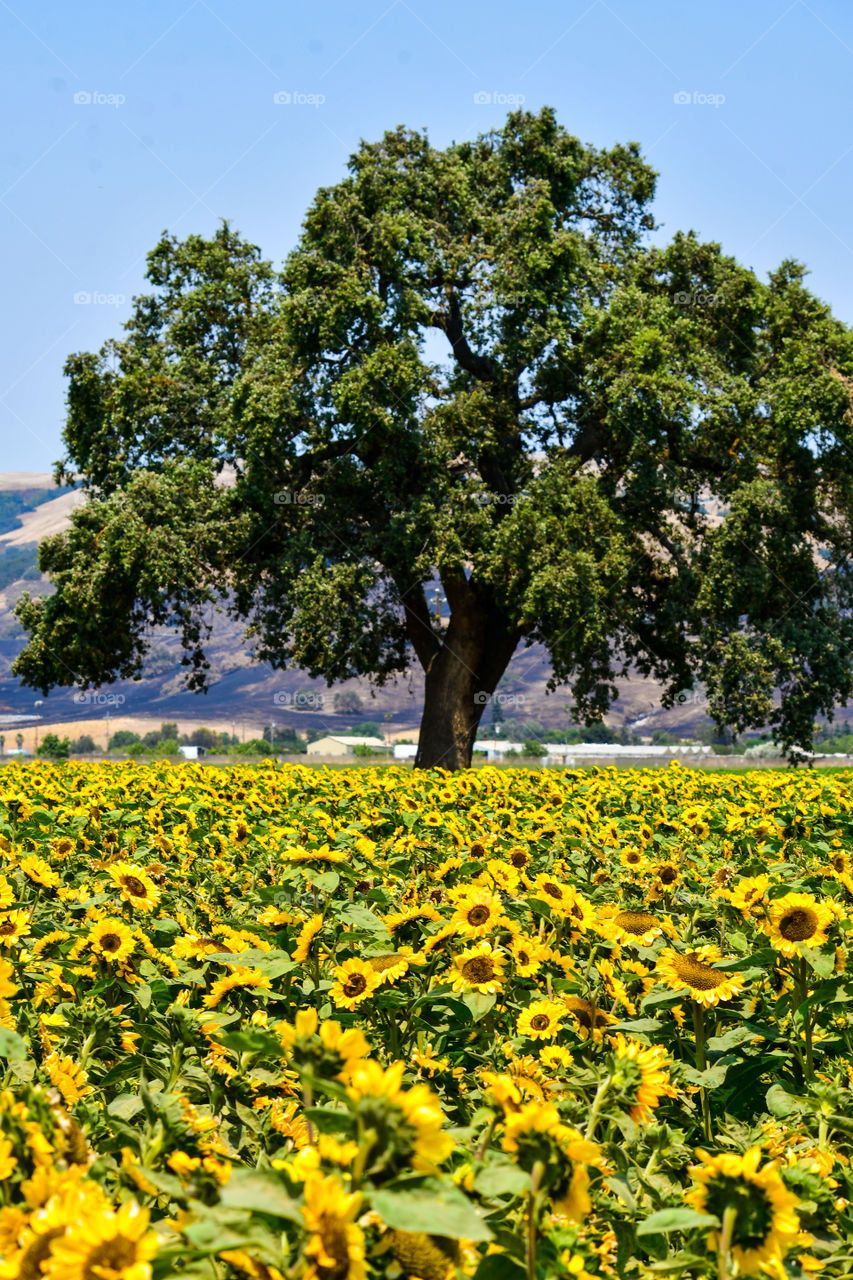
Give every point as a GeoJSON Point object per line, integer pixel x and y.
{"type": "Point", "coordinates": [123, 120]}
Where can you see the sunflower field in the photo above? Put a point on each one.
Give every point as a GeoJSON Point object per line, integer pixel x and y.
{"type": "Point", "coordinates": [301, 1024]}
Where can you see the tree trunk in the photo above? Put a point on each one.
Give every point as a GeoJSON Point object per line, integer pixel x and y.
{"type": "Point", "coordinates": [460, 678]}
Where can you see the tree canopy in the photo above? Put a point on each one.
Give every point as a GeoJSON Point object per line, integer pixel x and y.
{"type": "Point", "coordinates": [474, 370]}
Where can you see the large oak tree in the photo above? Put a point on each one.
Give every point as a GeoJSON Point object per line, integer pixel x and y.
{"type": "Point", "coordinates": [474, 369]}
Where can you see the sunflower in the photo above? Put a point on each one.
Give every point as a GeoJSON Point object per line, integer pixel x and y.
{"type": "Point", "coordinates": [528, 955]}
{"type": "Point", "coordinates": [575, 1204]}
{"type": "Point", "coordinates": [722, 878]}
{"type": "Point", "coordinates": [244, 1262]}
{"type": "Point", "coordinates": [639, 1073]}
{"type": "Point", "coordinates": [536, 1117]}
{"type": "Point", "coordinates": [399, 919]}
{"type": "Point", "coordinates": [325, 853]}
{"type": "Point", "coordinates": [7, 893]}
{"type": "Point", "coordinates": [327, 1043]}
{"type": "Point", "coordinates": [336, 1245]}
{"type": "Point", "coordinates": [477, 912]}
{"type": "Point", "coordinates": [191, 946]}
{"type": "Point", "coordinates": [240, 977]}
{"type": "Point", "coordinates": [394, 964]}
{"type": "Point", "coordinates": [556, 1059]}
{"type": "Point", "coordinates": [429, 1257]}
{"type": "Point", "coordinates": [501, 875]}
{"type": "Point", "coordinates": [112, 939]}
{"type": "Point", "coordinates": [530, 1119]}
{"type": "Point", "coordinates": [580, 913]}
{"type": "Point", "coordinates": [616, 987]}
{"type": "Point", "coordinates": [307, 934]}
{"type": "Point", "coordinates": [39, 871]}
{"type": "Point", "coordinates": [637, 927]}
{"type": "Point", "coordinates": [590, 1020]}
{"type": "Point", "coordinates": [68, 1077]}
{"type": "Point", "coordinates": [417, 1126]}
{"type": "Point", "coordinates": [560, 898]}
{"type": "Point", "coordinates": [541, 1020]}
{"type": "Point", "coordinates": [695, 971]}
{"type": "Point", "coordinates": [765, 1222]}
{"type": "Point", "coordinates": [443, 870]}
{"type": "Point", "coordinates": [748, 893]}
{"type": "Point", "coordinates": [479, 968]}
{"type": "Point", "coordinates": [796, 921]}
{"type": "Point", "coordinates": [518, 858]}
{"type": "Point", "coordinates": [14, 925]}
{"type": "Point", "coordinates": [633, 858]}
{"type": "Point", "coordinates": [667, 877]}
{"type": "Point", "coordinates": [8, 986]}
{"type": "Point", "coordinates": [839, 863]}
{"type": "Point", "coordinates": [109, 1245]}
{"type": "Point", "coordinates": [134, 885]}
{"type": "Point", "coordinates": [355, 981]}
{"type": "Point", "coordinates": [8, 1162]}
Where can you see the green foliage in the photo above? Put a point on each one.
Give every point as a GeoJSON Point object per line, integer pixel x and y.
{"type": "Point", "coordinates": [638, 457]}
{"type": "Point", "coordinates": [54, 747]}
{"type": "Point", "coordinates": [367, 729]}
{"type": "Point", "coordinates": [85, 745]}
{"type": "Point", "coordinates": [285, 740]}
{"type": "Point", "coordinates": [661, 738]}
{"type": "Point", "coordinates": [122, 739]}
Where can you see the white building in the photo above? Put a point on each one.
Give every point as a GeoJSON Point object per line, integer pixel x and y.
{"type": "Point", "coordinates": [574, 752]}
{"type": "Point", "coordinates": [344, 745]}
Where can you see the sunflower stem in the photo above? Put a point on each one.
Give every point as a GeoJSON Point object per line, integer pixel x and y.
{"type": "Point", "coordinates": [532, 1212]}
{"type": "Point", "coordinates": [701, 1064]}
{"type": "Point", "coordinates": [307, 1103]}
{"type": "Point", "coordinates": [596, 1108]}
{"type": "Point", "coordinates": [724, 1247]}
{"type": "Point", "coordinates": [88, 1045]}
{"type": "Point", "coordinates": [802, 980]}
{"type": "Point", "coordinates": [487, 1137]}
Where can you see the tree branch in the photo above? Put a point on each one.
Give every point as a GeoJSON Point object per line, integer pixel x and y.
{"type": "Point", "coordinates": [422, 638]}
{"type": "Point", "coordinates": [450, 323]}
